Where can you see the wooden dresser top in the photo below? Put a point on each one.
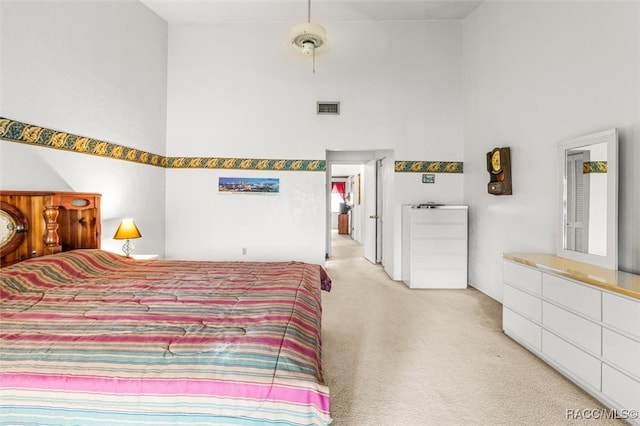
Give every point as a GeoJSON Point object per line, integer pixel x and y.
{"type": "Point", "coordinates": [609, 279]}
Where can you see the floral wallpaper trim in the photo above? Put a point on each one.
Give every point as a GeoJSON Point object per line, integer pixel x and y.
{"type": "Point", "coordinates": [16, 131]}
{"type": "Point", "coordinates": [594, 167]}
{"type": "Point", "coordinates": [428, 166]}
{"type": "Point", "coordinates": [245, 164]}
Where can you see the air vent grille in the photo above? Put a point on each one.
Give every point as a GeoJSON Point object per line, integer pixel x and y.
{"type": "Point", "coordinates": [332, 108]}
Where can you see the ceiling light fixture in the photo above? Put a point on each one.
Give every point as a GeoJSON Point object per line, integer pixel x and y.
{"type": "Point", "coordinates": [309, 36]}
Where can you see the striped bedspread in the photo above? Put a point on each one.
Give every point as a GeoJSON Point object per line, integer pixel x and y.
{"type": "Point", "coordinates": [89, 338]}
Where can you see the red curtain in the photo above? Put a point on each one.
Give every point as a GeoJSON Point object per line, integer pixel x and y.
{"type": "Point", "coordinates": [340, 188]}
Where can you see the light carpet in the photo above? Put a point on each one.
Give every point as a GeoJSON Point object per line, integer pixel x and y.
{"type": "Point", "coordinates": [395, 356]}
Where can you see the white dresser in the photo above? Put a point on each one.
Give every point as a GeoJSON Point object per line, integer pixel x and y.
{"type": "Point", "coordinates": [434, 246]}
{"type": "Point", "coordinates": [581, 319]}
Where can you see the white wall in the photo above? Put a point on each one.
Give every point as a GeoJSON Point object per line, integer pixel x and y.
{"type": "Point", "coordinates": [96, 69]}
{"type": "Point", "coordinates": [208, 225]}
{"type": "Point", "coordinates": [532, 74]}
{"type": "Point", "coordinates": [597, 210]}
{"type": "Point", "coordinates": [537, 73]}
{"type": "Point", "coordinates": [240, 91]}
{"type": "Point", "coordinates": [447, 189]}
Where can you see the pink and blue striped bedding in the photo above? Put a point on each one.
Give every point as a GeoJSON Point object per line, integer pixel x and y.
{"type": "Point", "coordinates": [88, 337]}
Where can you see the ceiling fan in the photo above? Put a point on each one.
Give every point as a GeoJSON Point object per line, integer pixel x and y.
{"type": "Point", "coordinates": [308, 36]}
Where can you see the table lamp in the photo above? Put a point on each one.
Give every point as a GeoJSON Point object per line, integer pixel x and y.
{"type": "Point", "coordinates": [127, 230]}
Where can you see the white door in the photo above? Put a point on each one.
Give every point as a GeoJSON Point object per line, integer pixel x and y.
{"type": "Point", "coordinates": [577, 209]}
{"type": "Point", "coordinates": [370, 226]}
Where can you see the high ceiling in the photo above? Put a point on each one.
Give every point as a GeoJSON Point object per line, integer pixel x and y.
{"type": "Point", "coordinates": [322, 11]}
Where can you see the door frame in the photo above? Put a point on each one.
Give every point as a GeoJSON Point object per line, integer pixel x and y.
{"type": "Point", "coordinates": [577, 195]}
{"type": "Point", "coordinates": [359, 158]}
{"type": "Point", "coordinates": [371, 214]}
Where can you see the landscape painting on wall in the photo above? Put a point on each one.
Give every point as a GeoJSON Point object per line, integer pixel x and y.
{"type": "Point", "coordinates": [249, 185]}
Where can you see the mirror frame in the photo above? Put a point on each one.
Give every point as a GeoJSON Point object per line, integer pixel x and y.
{"type": "Point", "coordinates": [609, 261]}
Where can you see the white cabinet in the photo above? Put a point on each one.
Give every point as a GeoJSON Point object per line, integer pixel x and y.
{"type": "Point", "coordinates": [526, 279]}
{"type": "Point", "coordinates": [622, 313]}
{"type": "Point", "coordinates": [621, 388]}
{"type": "Point", "coordinates": [434, 247]}
{"type": "Point", "coordinates": [571, 327]}
{"type": "Point", "coordinates": [621, 351]}
{"type": "Point", "coordinates": [523, 303]}
{"type": "Point", "coordinates": [522, 329]}
{"type": "Point", "coordinates": [573, 296]}
{"type": "Point", "coordinates": [589, 333]}
{"type": "Point", "coordinates": [571, 360]}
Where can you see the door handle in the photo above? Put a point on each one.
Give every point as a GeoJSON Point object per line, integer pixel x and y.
{"type": "Point", "coordinates": [374, 216]}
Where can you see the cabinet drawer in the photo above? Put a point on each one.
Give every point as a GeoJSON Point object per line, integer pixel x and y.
{"type": "Point", "coordinates": [576, 297]}
{"type": "Point", "coordinates": [523, 303]}
{"type": "Point", "coordinates": [441, 262]}
{"type": "Point", "coordinates": [621, 313]}
{"type": "Point", "coordinates": [439, 216]}
{"type": "Point", "coordinates": [438, 278]}
{"type": "Point", "coordinates": [522, 277]}
{"type": "Point", "coordinates": [521, 328]}
{"type": "Point", "coordinates": [572, 327]}
{"type": "Point", "coordinates": [583, 366]}
{"type": "Point", "coordinates": [427, 246]}
{"type": "Point", "coordinates": [624, 390]}
{"type": "Point", "coordinates": [621, 351]}
{"type": "Point", "coordinates": [441, 231]}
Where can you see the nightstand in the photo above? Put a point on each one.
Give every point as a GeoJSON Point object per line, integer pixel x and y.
{"type": "Point", "coordinates": [144, 256]}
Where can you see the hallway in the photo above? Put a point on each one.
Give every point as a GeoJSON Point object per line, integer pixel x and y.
{"type": "Point", "coordinates": [395, 356]}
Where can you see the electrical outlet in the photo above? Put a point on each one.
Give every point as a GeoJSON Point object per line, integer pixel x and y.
{"type": "Point", "coordinates": [244, 250]}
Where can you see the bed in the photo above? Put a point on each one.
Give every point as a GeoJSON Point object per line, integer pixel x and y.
{"type": "Point", "coordinates": [92, 337]}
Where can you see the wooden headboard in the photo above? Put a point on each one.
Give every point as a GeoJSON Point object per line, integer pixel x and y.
{"type": "Point", "coordinates": [48, 222]}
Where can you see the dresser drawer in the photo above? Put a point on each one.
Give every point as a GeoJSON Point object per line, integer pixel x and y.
{"type": "Point", "coordinates": [621, 388]}
{"type": "Point", "coordinates": [441, 262]}
{"type": "Point", "coordinates": [572, 327]}
{"type": "Point", "coordinates": [523, 303]}
{"type": "Point", "coordinates": [427, 246]}
{"type": "Point", "coordinates": [522, 329]}
{"type": "Point", "coordinates": [438, 278]}
{"type": "Point", "coordinates": [441, 230]}
{"type": "Point", "coordinates": [621, 313]}
{"type": "Point", "coordinates": [439, 216]}
{"type": "Point", "coordinates": [522, 277]}
{"type": "Point", "coordinates": [572, 359]}
{"type": "Point", "coordinates": [621, 351]}
{"type": "Point", "coordinates": [576, 297]}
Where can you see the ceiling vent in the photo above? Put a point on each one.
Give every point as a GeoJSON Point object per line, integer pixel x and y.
{"type": "Point", "coordinates": [331, 108]}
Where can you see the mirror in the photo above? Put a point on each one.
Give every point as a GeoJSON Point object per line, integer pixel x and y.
{"type": "Point", "coordinates": [588, 229]}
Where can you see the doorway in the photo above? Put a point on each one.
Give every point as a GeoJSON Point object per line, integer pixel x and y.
{"type": "Point", "coordinates": [577, 205]}
{"type": "Point", "coordinates": [366, 181]}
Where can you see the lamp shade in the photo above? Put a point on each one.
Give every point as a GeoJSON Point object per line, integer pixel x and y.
{"type": "Point", "coordinates": [127, 230]}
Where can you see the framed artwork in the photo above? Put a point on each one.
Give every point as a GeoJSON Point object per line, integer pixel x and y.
{"type": "Point", "coordinates": [249, 185]}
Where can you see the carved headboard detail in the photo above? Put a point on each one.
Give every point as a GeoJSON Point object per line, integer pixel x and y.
{"type": "Point", "coordinates": [51, 222]}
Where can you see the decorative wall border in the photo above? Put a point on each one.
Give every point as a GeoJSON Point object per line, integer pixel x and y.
{"type": "Point", "coordinates": [594, 167]}
{"type": "Point", "coordinates": [16, 131]}
{"type": "Point", "coordinates": [245, 164]}
{"type": "Point", "coordinates": [428, 167]}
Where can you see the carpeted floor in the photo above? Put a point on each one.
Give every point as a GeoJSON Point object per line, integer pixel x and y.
{"type": "Point", "coordinates": [395, 356]}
